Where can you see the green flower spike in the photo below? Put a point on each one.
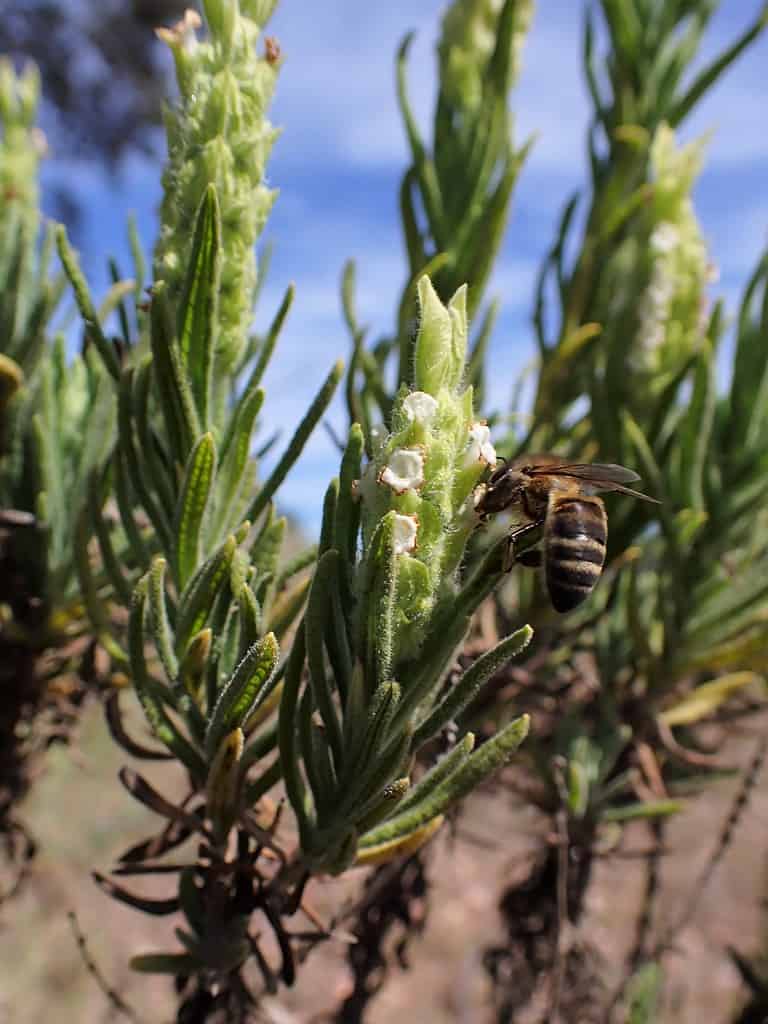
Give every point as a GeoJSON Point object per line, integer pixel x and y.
{"type": "Point", "coordinates": [21, 146]}
{"type": "Point", "coordinates": [470, 31]}
{"type": "Point", "coordinates": [219, 134]}
{"type": "Point", "coordinates": [672, 310]}
{"type": "Point", "coordinates": [426, 470]}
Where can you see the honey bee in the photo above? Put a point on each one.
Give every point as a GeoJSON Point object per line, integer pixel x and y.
{"type": "Point", "coordinates": [561, 497]}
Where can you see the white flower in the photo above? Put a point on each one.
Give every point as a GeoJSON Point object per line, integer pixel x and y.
{"type": "Point", "coordinates": [404, 534]}
{"type": "Point", "coordinates": [480, 447]}
{"type": "Point", "coordinates": [405, 470]}
{"type": "Point", "coordinates": [665, 237]}
{"type": "Point", "coordinates": [420, 407]}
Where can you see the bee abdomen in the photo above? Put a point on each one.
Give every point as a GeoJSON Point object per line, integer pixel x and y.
{"type": "Point", "coordinates": [574, 550]}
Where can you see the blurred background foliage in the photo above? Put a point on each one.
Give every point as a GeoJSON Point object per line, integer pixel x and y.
{"type": "Point", "coordinates": [105, 79]}
{"type": "Point", "coordinates": [627, 692]}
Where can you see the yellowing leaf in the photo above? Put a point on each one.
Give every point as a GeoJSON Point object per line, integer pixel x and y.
{"type": "Point", "coordinates": [401, 847]}
{"type": "Point", "coordinates": [707, 698]}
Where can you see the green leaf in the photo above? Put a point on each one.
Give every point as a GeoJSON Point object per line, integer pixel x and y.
{"type": "Point", "coordinates": [289, 754]}
{"type": "Point", "coordinates": [439, 772]}
{"type": "Point", "coordinates": [644, 991]}
{"type": "Point", "coordinates": [177, 403]}
{"type": "Point", "coordinates": [328, 523]}
{"type": "Point", "coordinates": [319, 606]}
{"type": "Point", "coordinates": [137, 255]}
{"type": "Point", "coordinates": [85, 305]}
{"type": "Point", "coordinates": [192, 505]}
{"type": "Point", "coordinates": [126, 504]}
{"type": "Point", "coordinates": [158, 617]}
{"type": "Point", "coordinates": [97, 612]}
{"type": "Point", "coordinates": [475, 261]}
{"type": "Point", "coordinates": [196, 321]}
{"type": "Point", "coordinates": [348, 508]}
{"type": "Point", "coordinates": [266, 548]}
{"type": "Point", "coordinates": [150, 693]}
{"type": "Point", "coordinates": [318, 765]}
{"type": "Point", "coordinates": [268, 346]}
{"type": "Point", "coordinates": [697, 431]}
{"type": "Point", "coordinates": [643, 810]}
{"type": "Point", "coordinates": [202, 590]}
{"type": "Point", "coordinates": [152, 451]}
{"type": "Point", "coordinates": [382, 805]}
{"type": "Point", "coordinates": [706, 78]}
{"type": "Point", "coordinates": [287, 607]}
{"type": "Point", "coordinates": [316, 410]}
{"type": "Point", "coordinates": [433, 356]}
{"type": "Point", "coordinates": [423, 166]}
{"type": "Point", "coordinates": [478, 766]}
{"type": "Point", "coordinates": [338, 631]}
{"type": "Point", "coordinates": [113, 565]}
{"type": "Point", "coordinates": [240, 694]}
{"type": "Point", "coordinates": [250, 617]}
{"type": "Point", "coordinates": [377, 614]}
{"type": "Point", "coordinates": [235, 450]}
{"type": "Point", "coordinates": [378, 762]}
{"type": "Point", "coordinates": [369, 746]}
{"type": "Point", "coordinates": [471, 682]}
{"type": "Point", "coordinates": [296, 565]}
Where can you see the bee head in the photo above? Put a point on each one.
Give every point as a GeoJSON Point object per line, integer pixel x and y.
{"type": "Point", "coordinates": [504, 488]}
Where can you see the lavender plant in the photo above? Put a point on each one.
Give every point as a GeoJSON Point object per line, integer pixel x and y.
{"type": "Point", "coordinates": [47, 406]}
{"type": "Point", "coordinates": [337, 706]}
{"type": "Point", "coordinates": [381, 630]}
{"type": "Point", "coordinates": [329, 677]}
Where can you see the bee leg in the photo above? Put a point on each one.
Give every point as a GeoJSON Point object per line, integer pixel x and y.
{"type": "Point", "coordinates": [510, 554]}
{"type": "Point", "coordinates": [531, 559]}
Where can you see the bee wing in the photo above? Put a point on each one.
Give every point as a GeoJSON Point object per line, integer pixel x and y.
{"type": "Point", "coordinates": [620, 489]}
{"type": "Point", "coordinates": [598, 476]}
{"type": "Point", "coordinates": [595, 471]}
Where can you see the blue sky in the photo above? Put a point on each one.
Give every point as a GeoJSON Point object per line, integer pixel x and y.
{"type": "Point", "coordinates": [338, 165]}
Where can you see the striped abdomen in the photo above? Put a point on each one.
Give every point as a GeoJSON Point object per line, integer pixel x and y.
{"type": "Point", "coordinates": [574, 548]}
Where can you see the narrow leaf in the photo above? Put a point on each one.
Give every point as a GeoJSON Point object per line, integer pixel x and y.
{"type": "Point", "coordinates": [705, 700]}
{"type": "Point", "coordinates": [371, 853]}
{"type": "Point", "coordinates": [158, 617]}
{"type": "Point", "coordinates": [240, 695]}
{"type": "Point", "coordinates": [477, 767]}
{"type": "Point", "coordinates": [469, 685]}
{"type": "Point", "coordinates": [147, 690]}
{"type": "Point", "coordinates": [177, 403]}
{"type": "Point", "coordinates": [319, 606]}
{"type": "Point", "coordinates": [193, 502]}
{"type": "Point", "coordinates": [202, 590]}
{"type": "Point", "coordinates": [196, 325]}
{"type": "Point", "coordinates": [289, 754]}
{"type": "Point", "coordinates": [316, 410]}
{"type": "Point", "coordinates": [85, 305]}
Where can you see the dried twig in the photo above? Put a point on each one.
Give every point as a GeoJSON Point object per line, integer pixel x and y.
{"type": "Point", "coordinates": [117, 1002]}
